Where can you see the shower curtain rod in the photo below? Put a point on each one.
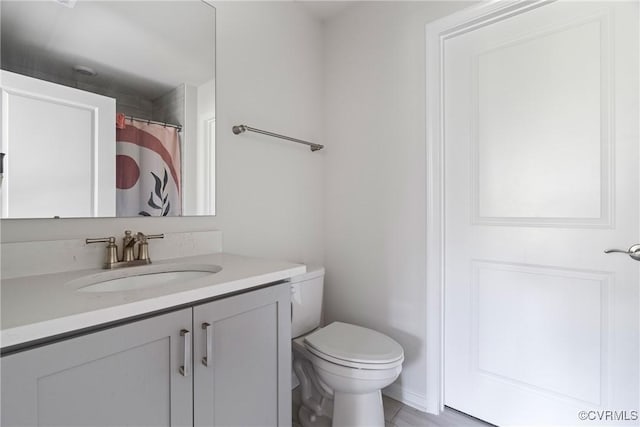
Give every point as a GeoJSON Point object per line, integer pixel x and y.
{"type": "Point", "coordinates": [242, 128]}
{"type": "Point", "coordinates": [137, 119]}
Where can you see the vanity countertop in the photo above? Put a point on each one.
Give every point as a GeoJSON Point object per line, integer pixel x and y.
{"type": "Point", "coordinates": [37, 307]}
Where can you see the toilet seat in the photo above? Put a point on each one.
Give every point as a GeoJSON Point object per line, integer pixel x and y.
{"type": "Point", "coordinates": [354, 347]}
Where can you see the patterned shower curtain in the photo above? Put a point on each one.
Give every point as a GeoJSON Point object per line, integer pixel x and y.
{"type": "Point", "coordinates": [148, 170]}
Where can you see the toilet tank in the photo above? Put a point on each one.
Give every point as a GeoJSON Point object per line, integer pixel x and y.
{"type": "Point", "coordinates": [306, 301]}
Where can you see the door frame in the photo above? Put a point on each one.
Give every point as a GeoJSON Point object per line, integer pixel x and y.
{"type": "Point", "coordinates": [437, 32]}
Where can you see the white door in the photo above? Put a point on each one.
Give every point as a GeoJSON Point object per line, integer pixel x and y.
{"type": "Point", "coordinates": [541, 176]}
{"type": "Point", "coordinates": [64, 134]}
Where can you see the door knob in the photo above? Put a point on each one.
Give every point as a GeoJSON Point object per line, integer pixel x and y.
{"type": "Point", "coordinates": [633, 252]}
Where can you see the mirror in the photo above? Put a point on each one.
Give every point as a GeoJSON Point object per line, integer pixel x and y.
{"type": "Point", "coordinates": [108, 108]}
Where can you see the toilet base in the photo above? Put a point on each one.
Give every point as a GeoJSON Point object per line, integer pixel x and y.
{"type": "Point", "coordinates": [358, 410]}
{"type": "Point", "coordinates": [308, 419]}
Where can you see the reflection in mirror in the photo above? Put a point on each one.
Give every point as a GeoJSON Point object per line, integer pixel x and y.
{"type": "Point", "coordinates": [108, 108]}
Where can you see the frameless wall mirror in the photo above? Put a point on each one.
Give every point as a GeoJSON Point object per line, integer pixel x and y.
{"type": "Point", "coordinates": [108, 108]}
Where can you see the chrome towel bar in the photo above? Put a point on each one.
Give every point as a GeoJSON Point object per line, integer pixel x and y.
{"type": "Point", "coordinates": [237, 130]}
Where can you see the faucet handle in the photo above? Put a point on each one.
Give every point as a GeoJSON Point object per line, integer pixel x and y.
{"type": "Point", "coordinates": [143, 251]}
{"type": "Point", "coordinates": [109, 240]}
{"type": "Point", "coordinates": [112, 249]}
{"type": "Point", "coordinates": [141, 237]}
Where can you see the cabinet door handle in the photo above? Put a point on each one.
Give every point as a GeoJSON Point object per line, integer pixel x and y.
{"type": "Point", "coordinates": [207, 343]}
{"type": "Point", "coordinates": [185, 369]}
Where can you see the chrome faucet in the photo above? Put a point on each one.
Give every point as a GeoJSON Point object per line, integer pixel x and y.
{"type": "Point", "coordinates": [129, 242]}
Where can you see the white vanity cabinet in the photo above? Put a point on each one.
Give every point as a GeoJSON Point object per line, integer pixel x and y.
{"type": "Point", "coordinates": [131, 374]}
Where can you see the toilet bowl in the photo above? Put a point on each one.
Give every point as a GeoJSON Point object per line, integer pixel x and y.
{"type": "Point", "coordinates": [341, 367]}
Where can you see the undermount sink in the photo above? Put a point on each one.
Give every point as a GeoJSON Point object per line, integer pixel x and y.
{"type": "Point", "coordinates": [135, 278]}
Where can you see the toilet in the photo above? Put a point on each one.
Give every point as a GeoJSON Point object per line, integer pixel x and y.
{"type": "Point", "coordinates": [341, 367]}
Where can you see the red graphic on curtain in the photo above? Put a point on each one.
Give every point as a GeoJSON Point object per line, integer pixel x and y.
{"type": "Point", "coordinates": [148, 170]}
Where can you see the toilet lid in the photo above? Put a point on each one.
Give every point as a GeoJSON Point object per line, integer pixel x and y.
{"type": "Point", "coordinates": [353, 343]}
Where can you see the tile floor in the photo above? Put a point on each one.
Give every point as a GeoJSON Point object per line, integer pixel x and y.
{"type": "Point", "coordinates": [397, 414]}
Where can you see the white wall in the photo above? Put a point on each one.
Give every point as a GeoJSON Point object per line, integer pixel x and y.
{"type": "Point", "coordinates": [359, 205]}
{"type": "Point", "coordinates": [270, 192]}
{"type": "Point", "coordinates": [375, 171]}
{"type": "Point", "coordinates": [270, 77]}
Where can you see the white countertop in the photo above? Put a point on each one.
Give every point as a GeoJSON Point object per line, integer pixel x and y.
{"type": "Point", "coordinates": [37, 307]}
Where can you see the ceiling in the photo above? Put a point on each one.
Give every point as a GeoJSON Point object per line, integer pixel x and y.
{"type": "Point", "coordinates": [149, 46]}
{"type": "Point", "coordinates": [324, 10]}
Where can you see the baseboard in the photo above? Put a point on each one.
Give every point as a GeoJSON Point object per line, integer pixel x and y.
{"type": "Point", "coordinates": [409, 398]}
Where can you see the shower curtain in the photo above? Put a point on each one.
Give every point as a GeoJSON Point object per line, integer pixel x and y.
{"type": "Point", "coordinates": [147, 170]}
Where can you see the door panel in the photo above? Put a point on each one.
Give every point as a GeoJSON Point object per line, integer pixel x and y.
{"type": "Point", "coordinates": [65, 134]}
{"type": "Point", "coordinates": [541, 175]}
{"type": "Point", "coordinates": [529, 328]}
{"type": "Point", "coordinates": [525, 144]}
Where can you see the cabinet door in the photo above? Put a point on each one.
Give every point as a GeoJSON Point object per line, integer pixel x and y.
{"type": "Point", "coordinates": [246, 380]}
{"type": "Point", "coordinates": [124, 376]}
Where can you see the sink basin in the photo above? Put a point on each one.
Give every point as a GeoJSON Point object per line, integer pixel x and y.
{"type": "Point", "coordinates": [134, 278]}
